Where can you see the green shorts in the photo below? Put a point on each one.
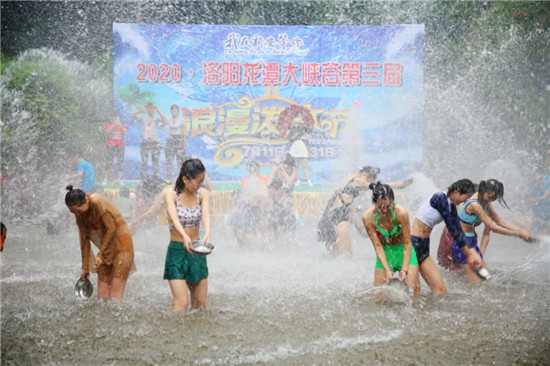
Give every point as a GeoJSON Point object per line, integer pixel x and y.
{"type": "Point", "coordinates": [182, 265]}
{"type": "Point", "coordinates": [394, 257]}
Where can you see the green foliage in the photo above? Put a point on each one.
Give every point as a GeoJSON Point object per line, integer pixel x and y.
{"type": "Point", "coordinates": [52, 109]}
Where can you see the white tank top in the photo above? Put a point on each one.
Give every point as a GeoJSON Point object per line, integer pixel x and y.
{"type": "Point", "coordinates": [429, 215]}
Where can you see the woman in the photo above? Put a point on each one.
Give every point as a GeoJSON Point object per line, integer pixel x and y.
{"type": "Point", "coordinates": [176, 145]}
{"type": "Point", "coordinates": [187, 205]}
{"type": "Point", "coordinates": [280, 212]}
{"type": "Point", "coordinates": [440, 207]}
{"type": "Point", "coordinates": [333, 227]}
{"type": "Point", "coordinates": [100, 221]}
{"type": "Point", "coordinates": [477, 210]}
{"type": "Point", "coordinates": [300, 123]}
{"type": "Point", "coordinates": [388, 227]}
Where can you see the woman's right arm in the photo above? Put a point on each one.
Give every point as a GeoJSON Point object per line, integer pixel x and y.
{"type": "Point", "coordinates": [85, 253]}
{"type": "Point", "coordinates": [368, 221]}
{"type": "Point", "coordinates": [170, 202]}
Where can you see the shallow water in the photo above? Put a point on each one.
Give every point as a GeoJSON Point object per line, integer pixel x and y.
{"type": "Point", "coordinates": [285, 306]}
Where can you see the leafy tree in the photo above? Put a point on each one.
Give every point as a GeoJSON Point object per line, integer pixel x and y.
{"type": "Point", "coordinates": [53, 109]}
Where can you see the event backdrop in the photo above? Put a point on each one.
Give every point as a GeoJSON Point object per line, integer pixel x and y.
{"type": "Point", "coordinates": [362, 84]}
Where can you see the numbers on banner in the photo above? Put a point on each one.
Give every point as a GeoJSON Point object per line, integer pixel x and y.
{"type": "Point", "coordinates": [162, 73]}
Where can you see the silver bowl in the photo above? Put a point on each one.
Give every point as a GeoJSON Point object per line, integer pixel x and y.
{"type": "Point", "coordinates": [200, 249]}
{"type": "Point", "coordinates": [83, 288]}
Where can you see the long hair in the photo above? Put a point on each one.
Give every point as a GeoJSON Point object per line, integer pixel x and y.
{"type": "Point", "coordinates": [491, 186]}
{"type": "Point", "coordinates": [190, 169]}
{"type": "Point", "coordinates": [74, 196]}
{"type": "Point", "coordinates": [381, 191]}
{"type": "Point", "coordinates": [463, 186]}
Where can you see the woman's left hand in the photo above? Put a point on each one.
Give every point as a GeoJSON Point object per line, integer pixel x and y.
{"type": "Point", "coordinates": [98, 262]}
{"type": "Point", "coordinates": [403, 274]}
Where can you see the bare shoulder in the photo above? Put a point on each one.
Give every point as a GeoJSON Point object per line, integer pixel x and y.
{"type": "Point", "coordinates": [168, 192]}
{"type": "Point", "coordinates": [368, 215]}
{"type": "Point", "coordinates": [401, 212]}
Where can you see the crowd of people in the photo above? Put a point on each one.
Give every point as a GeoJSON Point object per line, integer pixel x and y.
{"type": "Point", "coordinates": [264, 215]}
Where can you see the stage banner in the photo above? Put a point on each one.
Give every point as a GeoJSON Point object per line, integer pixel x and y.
{"type": "Point", "coordinates": [337, 97]}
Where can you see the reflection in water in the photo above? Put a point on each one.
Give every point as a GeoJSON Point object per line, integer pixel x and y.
{"type": "Point", "coordinates": [288, 306]}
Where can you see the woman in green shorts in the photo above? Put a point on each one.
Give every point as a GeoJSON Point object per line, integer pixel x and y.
{"type": "Point", "coordinates": [187, 206]}
{"type": "Point", "coordinates": [388, 226]}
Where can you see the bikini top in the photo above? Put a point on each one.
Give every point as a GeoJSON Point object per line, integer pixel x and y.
{"type": "Point", "coordinates": [188, 216]}
{"type": "Point", "coordinates": [395, 231]}
{"type": "Point", "coordinates": [465, 217]}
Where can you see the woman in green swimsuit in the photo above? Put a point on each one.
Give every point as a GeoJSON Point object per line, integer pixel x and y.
{"type": "Point", "coordinates": [388, 226]}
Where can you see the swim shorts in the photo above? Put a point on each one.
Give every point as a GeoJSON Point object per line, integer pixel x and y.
{"type": "Point", "coordinates": [458, 255]}
{"type": "Point", "coordinates": [421, 247]}
{"type": "Point", "coordinates": [394, 257]}
{"type": "Point", "coordinates": [182, 265]}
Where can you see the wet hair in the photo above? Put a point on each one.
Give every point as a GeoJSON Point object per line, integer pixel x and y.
{"type": "Point", "coordinates": [381, 191]}
{"type": "Point", "coordinates": [190, 169]}
{"type": "Point", "coordinates": [275, 184]}
{"type": "Point", "coordinates": [290, 161]}
{"type": "Point", "coordinates": [175, 106]}
{"type": "Point", "coordinates": [74, 196]}
{"type": "Point", "coordinates": [124, 192]}
{"type": "Point", "coordinates": [253, 163]}
{"type": "Point", "coordinates": [491, 186]}
{"type": "Point", "coordinates": [462, 186]}
{"type": "Point", "coordinates": [371, 171]}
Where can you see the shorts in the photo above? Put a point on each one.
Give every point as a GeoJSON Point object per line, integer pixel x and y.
{"type": "Point", "coordinates": [458, 255]}
{"type": "Point", "coordinates": [122, 264]}
{"type": "Point", "coordinates": [182, 265]}
{"type": "Point", "coordinates": [421, 247]}
{"type": "Point", "coordinates": [298, 149]}
{"type": "Point", "coordinates": [394, 257]}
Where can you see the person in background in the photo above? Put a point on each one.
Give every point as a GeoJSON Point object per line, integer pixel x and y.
{"type": "Point", "coordinates": [150, 143]}
{"type": "Point", "coordinates": [100, 222]}
{"type": "Point", "coordinates": [86, 173]}
{"type": "Point", "coordinates": [388, 227]}
{"type": "Point", "coordinates": [125, 204]}
{"type": "Point", "coordinates": [300, 126]}
{"type": "Point", "coordinates": [474, 211]}
{"type": "Point", "coordinates": [441, 207]}
{"type": "Point", "coordinates": [250, 203]}
{"type": "Point", "coordinates": [3, 234]}
{"type": "Point", "coordinates": [280, 211]}
{"type": "Point", "coordinates": [333, 227]}
{"type": "Point", "coordinates": [176, 145]}
{"type": "Point", "coordinates": [187, 206]}
{"type": "Point", "coordinates": [115, 132]}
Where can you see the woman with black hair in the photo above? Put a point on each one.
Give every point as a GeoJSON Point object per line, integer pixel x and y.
{"type": "Point", "coordinates": [388, 227]}
{"type": "Point", "coordinates": [440, 207]}
{"type": "Point", "coordinates": [99, 221]}
{"type": "Point", "coordinates": [479, 209]}
{"type": "Point", "coordinates": [187, 205]}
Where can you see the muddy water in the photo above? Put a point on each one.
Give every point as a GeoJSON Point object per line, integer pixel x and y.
{"type": "Point", "coordinates": [287, 306]}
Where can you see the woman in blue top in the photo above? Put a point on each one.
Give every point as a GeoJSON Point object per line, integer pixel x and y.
{"type": "Point", "coordinates": [388, 227]}
{"type": "Point", "coordinates": [479, 209]}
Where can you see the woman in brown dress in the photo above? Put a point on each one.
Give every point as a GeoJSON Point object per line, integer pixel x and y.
{"type": "Point", "coordinates": [100, 221]}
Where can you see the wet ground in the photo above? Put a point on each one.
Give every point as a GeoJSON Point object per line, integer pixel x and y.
{"type": "Point", "coordinates": [286, 306]}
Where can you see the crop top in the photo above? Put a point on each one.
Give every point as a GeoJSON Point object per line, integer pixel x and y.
{"type": "Point", "coordinates": [440, 208]}
{"type": "Point", "coordinates": [465, 217]}
{"type": "Point", "coordinates": [383, 234]}
{"type": "Point", "coordinates": [188, 216]}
